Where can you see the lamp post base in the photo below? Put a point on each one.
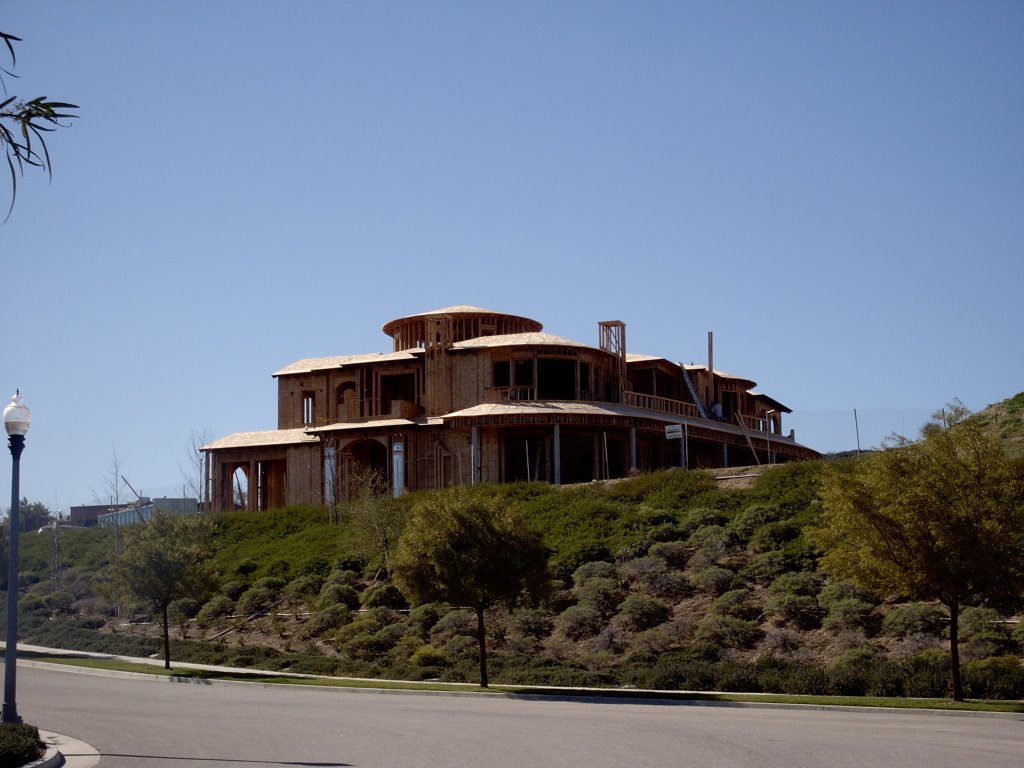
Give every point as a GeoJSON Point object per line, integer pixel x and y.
{"type": "Point", "coordinates": [10, 714]}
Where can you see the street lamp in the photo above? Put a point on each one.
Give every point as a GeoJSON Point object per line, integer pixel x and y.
{"type": "Point", "coordinates": [17, 417]}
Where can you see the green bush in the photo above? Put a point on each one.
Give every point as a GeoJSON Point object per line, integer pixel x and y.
{"type": "Point", "coordinates": [728, 632]}
{"type": "Point", "coordinates": [753, 517]}
{"type": "Point", "coordinates": [800, 611]}
{"type": "Point", "coordinates": [304, 588]}
{"type": "Point", "coordinates": [914, 618]}
{"type": "Point", "coordinates": [580, 621]}
{"type": "Point", "coordinates": [997, 677]}
{"type": "Point", "coordinates": [671, 585]}
{"type": "Point", "coordinates": [530, 622]}
{"type": "Point", "coordinates": [326, 620]}
{"type": "Point", "coordinates": [233, 589]}
{"type": "Point", "coordinates": [334, 593]}
{"type": "Point", "coordinates": [713, 580]}
{"type": "Point", "coordinates": [736, 602]}
{"type": "Point", "coordinates": [926, 675]}
{"type": "Point", "coordinates": [255, 600]}
{"type": "Point", "coordinates": [215, 608]}
{"type": "Point", "coordinates": [846, 614]}
{"type": "Point", "coordinates": [639, 612]}
{"type": "Point", "coordinates": [598, 569]}
{"type": "Point", "coordinates": [604, 593]}
{"type": "Point", "coordinates": [674, 553]}
{"type": "Point", "coordinates": [385, 595]}
{"type": "Point", "coordinates": [19, 744]}
{"type": "Point", "coordinates": [429, 656]}
{"type": "Point", "coordinates": [764, 567]}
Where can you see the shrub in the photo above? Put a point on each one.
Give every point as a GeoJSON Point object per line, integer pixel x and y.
{"type": "Point", "coordinates": [998, 677]}
{"type": "Point", "coordinates": [530, 622]}
{"type": "Point", "coordinates": [215, 608]}
{"type": "Point", "coordinates": [703, 516]}
{"type": "Point", "coordinates": [233, 589]}
{"type": "Point", "coordinates": [796, 583]}
{"type": "Point", "coordinates": [711, 540]}
{"type": "Point", "coordinates": [579, 621]}
{"type": "Point", "coordinates": [385, 595]}
{"type": "Point", "coordinates": [424, 617]}
{"type": "Point", "coordinates": [983, 633]}
{"type": "Point", "coordinates": [429, 656]}
{"type": "Point", "coordinates": [655, 641]}
{"type": "Point", "coordinates": [846, 614]}
{"type": "Point", "coordinates": [642, 568]}
{"type": "Point", "coordinates": [796, 610]}
{"type": "Point", "coordinates": [19, 744]}
{"type": "Point", "coordinates": [342, 576]}
{"type": "Point", "coordinates": [753, 517]}
{"type": "Point", "coordinates": [764, 567]}
{"type": "Point", "coordinates": [840, 590]}
{"type": "Point", "coordinates": [672, 585]}
{"type": "Point", "coordinates": [728, 631]}
{"type": "Point", "coordinates": [736, 602]}
{"type": "Point", "coordinates": [335, 593]}
{"type": "Point", "coordinates": [452, 623]}
{"type": "Point", "coordinates": [327, 620]}
{"type": "Point", "coordinates": [927, 675]}
{"type": "Point", "coordinates": [255, 600]}
{"type": "Point", "coordinates": [772, 536]}
{"type": "Point", "coordinates": [598, 569]}
{"type": "Point", "coordinates": [639, 612]}
{"type": "Point", "coordinates": [914, 618]}
{"type": "Point", "coordinates": [674, 553]}
{"type": "Point", "coordinates": [713, 580]}
{"type": "Point", "coordinates": [603, 593]}
{"type": "Point", "coordinates": [304, 588]}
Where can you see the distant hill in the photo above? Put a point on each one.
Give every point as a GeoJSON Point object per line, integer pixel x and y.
{"type": "Point", "coordinates": [1006, 419]}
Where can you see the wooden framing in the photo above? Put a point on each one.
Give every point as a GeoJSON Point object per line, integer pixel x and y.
{"type": "Point", "coordinates": [469, 395]}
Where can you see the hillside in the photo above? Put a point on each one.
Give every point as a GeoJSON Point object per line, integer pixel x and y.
{"type": "Point", "coordinates": [1006, 420]}
{"type": "Point", "coordinates": [670, 580]}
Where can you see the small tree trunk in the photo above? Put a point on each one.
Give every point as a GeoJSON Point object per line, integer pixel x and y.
{"type": "Point", "coordinates": [954, 650]}
{"type": "Point", "coordinates": [167, 636]}
{"type": "Point", "coordinates": [481, 640]}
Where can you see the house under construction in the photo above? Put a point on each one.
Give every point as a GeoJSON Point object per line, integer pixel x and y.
{"type": "Point", "coordinates": [468, 395]}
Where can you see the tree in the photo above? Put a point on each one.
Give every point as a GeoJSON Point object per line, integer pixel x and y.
{"type": "Point", "coordinates": [194, 478]}
{"type": "Point", "coordinates": [470, 551]}
{"type": "Point", "coordinates": [163, 560]}
{"type": "Point", "coordinates": [23, 124]}
{"type": "Point", "coordinates": [377, 518]}
{"type": "Point", "coordinates": [939, 519]}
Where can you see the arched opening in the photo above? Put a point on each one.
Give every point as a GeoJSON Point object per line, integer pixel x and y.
{"type": "Point", "coordinates": [239, 493]}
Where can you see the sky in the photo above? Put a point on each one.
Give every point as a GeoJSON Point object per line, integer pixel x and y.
{"type": "Point", "coordinates": [835, 190]}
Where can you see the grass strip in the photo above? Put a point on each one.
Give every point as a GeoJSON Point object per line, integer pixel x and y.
{"type": "Point", "coordinates": [990, 705]}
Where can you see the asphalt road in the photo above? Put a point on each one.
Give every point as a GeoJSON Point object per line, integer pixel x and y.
{"type": "Point", "coordinates": [156, 724]}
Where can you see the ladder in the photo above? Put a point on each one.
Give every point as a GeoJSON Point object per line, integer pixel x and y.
{"type": "Point", "coordinates": [693, 392]}
{"type": "Point", "coordinates": [746, 434]}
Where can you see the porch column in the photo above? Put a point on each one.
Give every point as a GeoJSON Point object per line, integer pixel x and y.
{"type": "Point", "coordinates": [632, 450]}
{"type": "Point", "coordinates": [474, 456]}
{"type": "Point", "coordinates": [253, 490]}
{"type": "Point", "coordinates": [558, 454]}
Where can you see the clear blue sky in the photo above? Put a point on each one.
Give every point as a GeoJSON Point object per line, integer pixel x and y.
{"type": "Point", "coordinates": [836, 190]}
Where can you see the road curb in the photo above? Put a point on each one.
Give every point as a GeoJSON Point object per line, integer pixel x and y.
{"type": "Point", "coordinates": [65, 751]}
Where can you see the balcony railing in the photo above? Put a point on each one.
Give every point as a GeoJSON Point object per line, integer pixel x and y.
{"type": "Point", "coordinates": [663, 404]}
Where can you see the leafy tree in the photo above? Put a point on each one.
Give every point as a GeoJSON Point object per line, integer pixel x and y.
{"type": "Point", "coordinates": [471, 551]}
{"type": "Point", "coordinates": [162, 561]}
{"type": "Point", "coordinates": [23, 124]}
{"type": "Point", "coordinates": [939, 519]}
{"type": "Point", "coordinates": [377, 518]}
{"type": "Point", "coordinates": [33, 515]}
